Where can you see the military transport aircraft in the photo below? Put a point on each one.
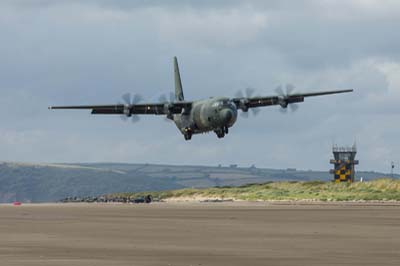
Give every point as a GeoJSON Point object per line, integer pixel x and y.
{"type": "Point", "coordinates": [216, 114]}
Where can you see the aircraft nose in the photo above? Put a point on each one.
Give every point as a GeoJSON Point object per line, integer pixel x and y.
{"type": "Point", "coordinates": [227, 116]}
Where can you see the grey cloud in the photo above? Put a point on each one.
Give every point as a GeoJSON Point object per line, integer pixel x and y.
{"type": "Point", "coordinates": [74, 52]}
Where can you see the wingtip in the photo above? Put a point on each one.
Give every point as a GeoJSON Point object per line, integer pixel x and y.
{"type": "Point", "coordinates": [348, 90]}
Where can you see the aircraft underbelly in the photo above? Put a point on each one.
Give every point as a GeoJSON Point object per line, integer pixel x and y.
{"type": "Point", "coordinates": [204, 117]}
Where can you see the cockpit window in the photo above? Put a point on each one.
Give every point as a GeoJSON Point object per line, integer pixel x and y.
{"type": "Point", "coordinates": [221, 103]}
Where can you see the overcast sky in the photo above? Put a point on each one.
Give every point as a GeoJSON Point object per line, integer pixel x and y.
{"type": "Point", "coordinates": [92, 52]}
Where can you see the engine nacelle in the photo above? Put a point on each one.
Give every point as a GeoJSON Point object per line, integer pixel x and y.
{"type": "Point", "coordinates": [127, 110]}
{"type": "Point", "coordinates": [243, 105]}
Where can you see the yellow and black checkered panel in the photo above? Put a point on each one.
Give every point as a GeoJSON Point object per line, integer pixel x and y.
{"type": "Point", "coordinates": [343, 174]}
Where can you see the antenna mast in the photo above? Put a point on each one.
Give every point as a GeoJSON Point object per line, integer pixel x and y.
{"type": "Point", "coordinates": [392, 169]}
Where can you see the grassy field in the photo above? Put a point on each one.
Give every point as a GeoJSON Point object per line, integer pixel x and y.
{"type": "Point", "coordinates": [379, 189]}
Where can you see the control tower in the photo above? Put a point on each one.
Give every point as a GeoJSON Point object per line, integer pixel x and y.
{"type": "Point", "coordinates": [344, 163]}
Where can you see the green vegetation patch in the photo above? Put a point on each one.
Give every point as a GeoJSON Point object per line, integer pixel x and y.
{"type": "Point", "coordinates": [379, 189]}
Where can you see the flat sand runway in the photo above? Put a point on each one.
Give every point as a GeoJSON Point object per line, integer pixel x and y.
{"type": "Point", "coordinates": [199, 234]}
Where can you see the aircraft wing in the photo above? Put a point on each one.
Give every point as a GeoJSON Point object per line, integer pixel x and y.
{"type": "Point", "coordinates": [133, 109]}
{"type": "Point", "coordinates": [244, 103]}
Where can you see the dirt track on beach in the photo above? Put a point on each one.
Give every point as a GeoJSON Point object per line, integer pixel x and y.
{"type": "Point", "coordinates": [200, 234]}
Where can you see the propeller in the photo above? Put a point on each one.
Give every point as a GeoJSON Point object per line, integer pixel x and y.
{"type": "Point", "coordinates": [130, 100]}
{"type": "Point", "coordinates": [248, 93]}
{"type": "Point", "coordinates": [284, 96]}
{"type": "Point", "coordinates": [164, 99]}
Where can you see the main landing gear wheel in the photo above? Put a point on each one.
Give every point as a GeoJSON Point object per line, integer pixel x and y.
{"type": "Point", "coordinates": [220, 133]}
{"type": "Point", "coordinates": [188, 134]}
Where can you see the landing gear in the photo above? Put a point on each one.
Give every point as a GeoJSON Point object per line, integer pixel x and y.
{"type": "Point", "coordinates": [220, 133]}
{"type": "Point", "coordinates": [188, 133]}
{"type": "Point", "coordinates": [188, 136]}
{"type": "Point", "coordinates": [226, 129]}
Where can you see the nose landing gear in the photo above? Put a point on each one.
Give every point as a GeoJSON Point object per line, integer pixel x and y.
{"type": "Point", "coordinates": [226, 129]}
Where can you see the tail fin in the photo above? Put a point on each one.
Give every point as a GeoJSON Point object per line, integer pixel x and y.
{"type": "Point", "coordinates": [178, 82]}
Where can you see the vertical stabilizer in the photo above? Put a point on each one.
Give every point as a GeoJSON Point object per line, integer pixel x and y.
{"type": "Point", "coordinates": [178, 82]}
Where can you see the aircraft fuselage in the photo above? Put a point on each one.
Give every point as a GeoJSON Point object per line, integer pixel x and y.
{"type": "Point", "coordinates": [214, 114]}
